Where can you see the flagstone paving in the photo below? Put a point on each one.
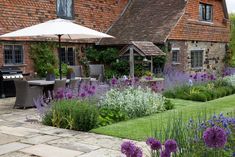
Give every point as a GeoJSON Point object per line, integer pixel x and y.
{"type": "Point", "coordinates": [21, 135]}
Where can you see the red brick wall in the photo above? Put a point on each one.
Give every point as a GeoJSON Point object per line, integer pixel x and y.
{"type": "Point", "coordinates": [96, 14]}
{"type": "Point", "coordinates": [190, 28]}
{"type": "Point", "coordinates": [17, 14]}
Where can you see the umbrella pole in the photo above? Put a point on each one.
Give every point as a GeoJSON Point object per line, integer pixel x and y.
{"type": "Point", "coordinates": [60, 58]}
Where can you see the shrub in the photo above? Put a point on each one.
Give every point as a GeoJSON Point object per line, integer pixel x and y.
{"type": "Point", "coordinates": [72, 114]}
{"type": "Point", "coordinates": [85, 116]}
{"type": "Point", "coordinates": [168, 104]}
{"type": "Point", "coordinates": [198, 97]}
{"type": "Point", "coordinates": [135, 102]}
{"type": "Point", "coordinates": [110, 116]}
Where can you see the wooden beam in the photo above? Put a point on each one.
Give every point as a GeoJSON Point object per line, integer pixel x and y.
{"type": "Point", "coordinates": [132, 68]}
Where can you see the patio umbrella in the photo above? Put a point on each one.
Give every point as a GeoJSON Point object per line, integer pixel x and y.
{"type": "Point", "coordinates": [58, 28]}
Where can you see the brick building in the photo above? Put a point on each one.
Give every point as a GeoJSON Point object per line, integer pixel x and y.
{"type": "Point", "coordinates": [17, 14]}
{"type": "Point", "coordinates": [196, 32]}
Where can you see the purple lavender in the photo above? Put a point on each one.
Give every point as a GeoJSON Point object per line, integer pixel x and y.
{"type": "Point", "coordinates": [154, 144]}
{"type": "Point", "coordinates": [130, 150]}
{"type": "Point", "coordinates": [171, 145]}
{"type": "Point", "coordinates": [215, 137]}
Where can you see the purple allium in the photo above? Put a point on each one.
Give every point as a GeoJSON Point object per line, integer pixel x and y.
{"type": "Point", "coordinates": [128, 148]}
{"type": "Point", "coordinates": [154, 144]}
{"type": "Point", "coordinates": [171, 145]}
{"type": "Point", "coordinates": [165, 153]}
{"type": "Point", "coordinates": [215, 137]}
{"type": "Point", "coordinates": [83, 95]}
{"type": "Point", "coordinates": [138, 152]}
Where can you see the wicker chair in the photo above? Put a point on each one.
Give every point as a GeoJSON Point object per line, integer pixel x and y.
{"type": "Point", "coordinates": [97, 71]}
{"type": "Point", "coordinates": [74, 84]}
{"type": "Point", "coordinates": [77, 70]}
{"type": "Point", "coordinates": [26, 94]}
{"type": "Point", "coordinates": [59, 84]}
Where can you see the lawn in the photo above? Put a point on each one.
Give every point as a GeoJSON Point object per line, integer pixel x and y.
{"type": "Point", "coordinates": [141, 128]}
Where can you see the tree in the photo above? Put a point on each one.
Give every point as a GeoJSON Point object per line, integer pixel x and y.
{"type": "Point", "coordinates": [232, 42]}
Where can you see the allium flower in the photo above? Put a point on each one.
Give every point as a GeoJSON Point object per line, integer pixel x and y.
{"type": "Point", "coordinates": [171, 145]}
{"type": "Point", "coordinates": [138, 152]}
{"type": "Point", "coordinates": [215, 137]}
{"type": "Point", "coordinates": [165, 153]}
{"type": "Point", "coordinates": [130, 150]}
{"type": "Point", "coordinates": [154, 144]}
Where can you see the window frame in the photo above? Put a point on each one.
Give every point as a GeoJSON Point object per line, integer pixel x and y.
{"type": "Point", "coordinates": [197, 66]}
{"type": "Point", "coordinates": [203, 17]}
{"type": "Point", "coordinates": [13, 55]}
{"type": "Point", "coordinates": [65, 17]}
{"type": "Point", "coordinates": [177, 56]}
{"type": "Point", "coordinates": [66, 55]}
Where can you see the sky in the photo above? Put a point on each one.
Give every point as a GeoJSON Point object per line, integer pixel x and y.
{"type": "Point", "coordinates": [231, 5]}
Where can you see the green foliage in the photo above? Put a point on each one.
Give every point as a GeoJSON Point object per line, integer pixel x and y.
{"type": "Point", "coordinates": [72, 114]}
{"type": "Point", "coordinates": [232, 42]}
{"type": "Point", "coordinates": [109, 116]}
{"type": "Point", "coordinates": [64, 69]}
{"type": "Point", "coordinates": [168, 104]}
{"type": "Point", "coordinates": [202, 92]}
{"type": "Point", "coordinates": [43, 57]}
{"type": "Point", "coordinates": [85, 116]}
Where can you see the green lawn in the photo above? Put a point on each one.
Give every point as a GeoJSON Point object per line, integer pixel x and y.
{"type": "Point", "coordinates": [141, 128]}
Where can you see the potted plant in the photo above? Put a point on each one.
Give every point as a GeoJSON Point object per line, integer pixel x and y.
{"type": "Point", "coordinates": [50, 73]}
{"type": "Point", "coordinates": [70, 73]}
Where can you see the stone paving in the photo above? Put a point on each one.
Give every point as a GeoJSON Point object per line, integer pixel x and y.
{"type": "Point", "coordinates": [21, 137]}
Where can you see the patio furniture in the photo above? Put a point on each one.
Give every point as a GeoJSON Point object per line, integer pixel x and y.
{"type": "Point", "coordinates": [97, 71]}
{"type": "Point", "coordinates": [59, 84]}
{"type": "Point", "coordinates": [25, 94]}
{"type": "Point", "coordinates": [77, 70]}
{"type": "Point", "coordinates": [74, 84]}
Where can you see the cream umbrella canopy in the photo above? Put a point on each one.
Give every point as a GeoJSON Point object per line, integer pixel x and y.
{"type": "Point", "coordinates": [58, 28]}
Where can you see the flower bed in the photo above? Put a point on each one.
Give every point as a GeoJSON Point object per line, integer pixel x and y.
{"type": "Point", "coordinates": [203, 91]}
{"type": "Point", "coordinates": [200, 137]}
{"type": "Point", "coordinates": [81, 110]}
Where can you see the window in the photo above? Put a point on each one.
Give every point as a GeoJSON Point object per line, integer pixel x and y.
{"type": "Point", "coordinates": [205, 12]}
{"type": "Point", "coordinates": [175, 56]}
{"type": "Point", "coordinates": [67, 55]}
{"type": "Point", "coordinates": [197, 58]}
{"type": "Point", "coordinates": [13, 54]}
{"type": "Point", "coordinates": [65, 9]}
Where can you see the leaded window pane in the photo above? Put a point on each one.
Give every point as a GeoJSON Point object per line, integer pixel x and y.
{"type": "Point", "coordinates": [65, 8]}
{"type": "Point", "coordinates": [71, 58]}
{"type": "Point", "coordinates": [196, 59]}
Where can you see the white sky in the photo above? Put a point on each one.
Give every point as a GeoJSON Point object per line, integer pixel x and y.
{"type": "Point", "coordinates": [231, 5]}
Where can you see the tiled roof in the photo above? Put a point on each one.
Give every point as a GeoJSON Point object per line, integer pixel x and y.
{"type": "Point", "coordinates": [144, 48]}
{"type": "Point", "coordinates": [146, 20]}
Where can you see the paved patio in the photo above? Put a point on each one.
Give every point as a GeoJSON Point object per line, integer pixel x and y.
{"type": "Point", "coordinates": [22, 136]}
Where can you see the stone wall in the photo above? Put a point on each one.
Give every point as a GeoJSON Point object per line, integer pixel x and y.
{"type": "Point", "coordinates": [213, 55]}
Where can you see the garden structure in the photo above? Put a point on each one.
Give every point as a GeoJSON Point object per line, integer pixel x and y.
{"type": "Point", "coordinates": [143, 49]}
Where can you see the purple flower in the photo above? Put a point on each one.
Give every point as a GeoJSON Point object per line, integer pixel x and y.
{"type": "Point", "coordinates": [138, 152]}
{"type": "Point", "coordinates": [130, 150]}
{"type": "Point", "coordinates": [114, 81]}
{"type": "Point", "coordinates": [171, 145]}
{"type": "Point", "coordinates": [154, 144]}
{"type": "Point", "coordinates": [215, 137]}
{"type": "Point", "coordinates": [165, 153]}
{"type": "Point", "coordinates": [83, 95]}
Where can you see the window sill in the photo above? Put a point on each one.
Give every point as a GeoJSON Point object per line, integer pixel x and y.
{"type": "Point", "coordinates": [175, 63]}
{"type": "Point", "coordinates": [14, 65]}
{"type": "Point", "coordinates": [197, 68]}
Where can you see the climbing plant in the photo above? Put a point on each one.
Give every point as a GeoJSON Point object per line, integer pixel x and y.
{"type": "Point", "coordinates": [42, 54]}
